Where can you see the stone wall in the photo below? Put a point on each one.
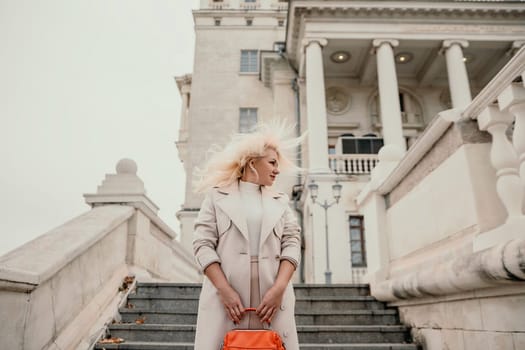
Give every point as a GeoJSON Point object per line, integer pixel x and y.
{"type": "Point", "coordinates": [59, 290]}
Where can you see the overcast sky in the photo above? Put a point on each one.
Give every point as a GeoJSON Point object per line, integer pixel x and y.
{"type": "Point", "coordinates": [84, 83]}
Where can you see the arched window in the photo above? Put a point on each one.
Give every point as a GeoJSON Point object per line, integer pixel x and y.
{"type": "Point", "coordinates": [410, 106]}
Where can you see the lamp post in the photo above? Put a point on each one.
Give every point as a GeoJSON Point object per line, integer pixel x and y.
{"type": "Point", "coordinates": [336, 191]}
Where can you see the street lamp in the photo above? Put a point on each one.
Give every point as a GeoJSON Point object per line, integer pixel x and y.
{"type": "Point", "coordinates": [336, 192]}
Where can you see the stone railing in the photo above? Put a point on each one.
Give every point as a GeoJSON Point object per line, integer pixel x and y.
{"type": "Point", "coordinates": [445, 225]}
{"type": "Point", "coordinates": [354, 164]}
{"type": "Point", "coordinates": [60, 290]}
{"type": "Point", "coordinates": [500, 106]}
{"type": "Point", "coordinates": [218, 5]}
{"type": "Point", "coordinates": [446, 196]}
{"type": "Point", "coordinates": [358, 274]}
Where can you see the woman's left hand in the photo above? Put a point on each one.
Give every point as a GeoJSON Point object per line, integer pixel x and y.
{"type": "Point", "coordinates": [270, 304]}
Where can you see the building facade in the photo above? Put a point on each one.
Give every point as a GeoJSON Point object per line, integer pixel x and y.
{"type": "Point", "coordinates": [415, 113]}
{"type": "Point", "coordinates": [357, 75]}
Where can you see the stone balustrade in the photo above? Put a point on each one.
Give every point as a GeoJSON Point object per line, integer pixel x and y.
{"type": "Point", "coordinates": [354, 164]}
{"type": "Point", "coordinates": [499, 107]}
{"type": "Point", "coordinates": [444, 223]}
{"type": "Point", "coordinates": [61, 289]}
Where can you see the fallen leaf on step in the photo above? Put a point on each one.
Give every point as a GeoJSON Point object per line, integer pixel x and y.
{"type": "Point", "coordinates": [140, 320]}
{"type": "Point", "coordinates": [111, 341]}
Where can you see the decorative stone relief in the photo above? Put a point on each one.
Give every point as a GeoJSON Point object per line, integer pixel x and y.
{"type": "Point", "coordinates": [337, 100]}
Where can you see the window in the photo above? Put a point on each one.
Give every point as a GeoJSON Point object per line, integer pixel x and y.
{"type": "Point", "coordinates": [247, 119]}
{"type": "Point", "coordinates": [217, 21]}
{"type": "Point", "coordinates": [357, 242]}
{"type": "Point", "coordinates": [279, 46]}
{"type": "Point", "coordinates": [249, 21]}
{"type": "Point", "coordinates": [249, 61]}
{"type": "Point", "coordinates": [361, 145]}
{"type": "Point", "coordinates": [280, 22]}
{"type": "Point", "coordinates": [250, 0]}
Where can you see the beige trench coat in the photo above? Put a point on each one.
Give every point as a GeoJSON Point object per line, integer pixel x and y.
{"type": "Point", "coordinates": [221, 235]}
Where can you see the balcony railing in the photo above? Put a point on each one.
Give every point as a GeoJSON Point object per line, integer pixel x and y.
{"type": "Point", "coordinates": [354, 164]}
{"type": "Point", "coordinates": [358, 274]}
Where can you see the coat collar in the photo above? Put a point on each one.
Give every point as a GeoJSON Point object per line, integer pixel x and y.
{"type": "Point", "coordinates": [273, 208]}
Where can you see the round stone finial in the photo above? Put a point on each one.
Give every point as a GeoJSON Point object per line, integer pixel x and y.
{"type": "Point", "coordinates": [389, 153]}
{"type": "Point", "coordinates": [126, 166]}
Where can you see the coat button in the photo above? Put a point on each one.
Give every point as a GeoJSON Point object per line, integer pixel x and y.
{"type": "Point", "coordinates": [285, 334]}
{"type": "Point", "coordinates": [282, 308]}
{"type": "Point", "coordinates": [277, 257]}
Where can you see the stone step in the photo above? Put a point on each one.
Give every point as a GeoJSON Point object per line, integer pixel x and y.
{"type": "Point", "coordinates": [313, 303]}
{"type": "Point", "coordinates": [302, 317]}
{"type": "Point", "coordinates": [179, 289]}
{"type": "Point", "coordinates": [323, 290]}
{"type": "Point", "coordinates": [155, 289]}
{"type": "Point", "coordinates": [347, 317]}
{"type": "Point", "coordinates": [129, 345]}
{"type": "Point", "coordinates": [163, 316]}
{"type": "Point", "coordinates": [307, 334]}
{"type": "Point", "coordinates": [157, 317]}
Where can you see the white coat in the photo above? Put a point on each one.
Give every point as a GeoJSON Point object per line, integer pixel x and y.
{"type": "Point", "coordinates": [221, 235]}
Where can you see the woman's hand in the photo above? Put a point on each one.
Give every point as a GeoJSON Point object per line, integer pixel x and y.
{"type": "Point", "coordinates": [229, 297]}
{"type": "Point", "coordinates": [232, 303]}
{"type": "Point", "coordinates": [270, 303]}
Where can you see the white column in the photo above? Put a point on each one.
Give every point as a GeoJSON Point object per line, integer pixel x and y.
{"type": "Point", "coordinates": [316, 106]}
{"type": "Point", "coordinates": [457, 73]}
{"type": "Point", "coordinates": [389, 93]}
{"type": "Point", "coordinates": [183, 126]}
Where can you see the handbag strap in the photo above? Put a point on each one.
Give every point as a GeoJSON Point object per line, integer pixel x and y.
{"type": "Point", "coordinates": [266, 325]}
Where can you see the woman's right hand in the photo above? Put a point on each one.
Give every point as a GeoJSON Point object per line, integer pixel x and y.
{"type": "Point", "coordinates": [232, 303]}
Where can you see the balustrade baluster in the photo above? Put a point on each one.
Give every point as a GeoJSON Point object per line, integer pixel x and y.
{"type": "Point", "coordinates": [503, 158]}
{"type": "Point", "coordinates": [513, 100]}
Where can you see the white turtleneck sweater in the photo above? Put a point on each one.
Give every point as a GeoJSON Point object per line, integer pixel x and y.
{"type": "Point", "coordinates": [251, 197]}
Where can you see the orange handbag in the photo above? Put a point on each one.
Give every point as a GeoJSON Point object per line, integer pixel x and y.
{"type": "Point", "coordinates": [252, 339]}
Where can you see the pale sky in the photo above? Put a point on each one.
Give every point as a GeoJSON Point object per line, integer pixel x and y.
{"type": "Point", "coordinates": [84, 83]}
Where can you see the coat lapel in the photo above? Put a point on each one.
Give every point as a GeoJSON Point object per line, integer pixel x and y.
{"type": "Point", "coordinates": [273, 210]}
{"type": "Point", "coordinates": [231, 204]}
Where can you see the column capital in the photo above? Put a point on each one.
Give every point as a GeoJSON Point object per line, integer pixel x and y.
{"type": "Point", "coordinates": [378, 42]}
{"type": "Point", "coordinates": [448, 43]}
{"type": "Point", "coordinates": [307, 41]}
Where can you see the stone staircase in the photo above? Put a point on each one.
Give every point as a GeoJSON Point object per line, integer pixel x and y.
{"type": "Point", "coordinates": [163, 316]}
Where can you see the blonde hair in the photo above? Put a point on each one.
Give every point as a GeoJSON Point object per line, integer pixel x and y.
{"type": "Point", "coordinates": [225, 166]}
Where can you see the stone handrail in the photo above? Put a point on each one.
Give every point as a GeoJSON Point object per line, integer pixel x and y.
{"type": "Point", "coordinates": [357, 164]}
{"type": "Point", "coordinates": [60, 290]}
{"type": "Point", "coordinates": [25, 268]}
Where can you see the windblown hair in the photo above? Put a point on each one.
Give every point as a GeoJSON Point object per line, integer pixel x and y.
{"type": "Point", "coordinates": [225, 166]}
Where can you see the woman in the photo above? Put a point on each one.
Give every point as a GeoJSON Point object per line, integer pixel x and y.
{"type": "Point", "coordinates": [246, 240]}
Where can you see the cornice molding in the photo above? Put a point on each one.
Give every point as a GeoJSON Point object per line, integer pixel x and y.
{"type": "Point", "coordinates": [449, 13]}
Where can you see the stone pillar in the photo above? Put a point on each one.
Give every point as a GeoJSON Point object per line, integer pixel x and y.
{"type": "Point", "coordinates": [124, 187]}
{"type": "Point", "coordinates": [390, 109]}
{"type": "Point", "coordinates": [457, 73]}
{"type": "Point", "coordinates": [316, 106]}
{"type": "Point", "coordinates": [183, 130]}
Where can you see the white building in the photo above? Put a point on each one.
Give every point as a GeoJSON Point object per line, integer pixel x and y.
{"type": "Point", "coordinates": [436, 228]}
